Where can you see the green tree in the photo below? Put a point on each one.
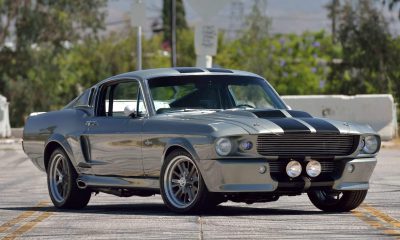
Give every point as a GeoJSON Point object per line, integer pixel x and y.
{"type": "Point", "coordinates": [186, 55]}
{"type": "Point", "coordinates": [368, 52]}
{"type": "Point", "coordinates": [300, 63]}
{"type": "Point", "coordinates": [392, 4]}
{"type": "Point", "coordinates": [33, 35]}
{"type": "Point", "coordinates": [249, 52]}
{"type": "Point", "coordinates": [96, 59]}
{"type": "Point", "coordinates": [292, 64]}
{"type": "Point", "coordinates": [166, 18]}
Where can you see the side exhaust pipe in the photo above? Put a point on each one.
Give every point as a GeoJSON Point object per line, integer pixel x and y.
{"type": "Point", "coordinates": [81, 184]}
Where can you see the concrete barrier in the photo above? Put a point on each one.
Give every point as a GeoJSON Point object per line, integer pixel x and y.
{"type": "Point", "coordinates": [17, 132]}
{"type": "Point", "coordinates": [5, 129]}
{"type": "Point", "coordinates": [377, 110]}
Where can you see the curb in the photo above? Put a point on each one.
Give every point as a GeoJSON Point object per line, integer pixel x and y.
{"type": "Point", "coordinates": [389, 144]}
{"type": "Point", "coordinates": [10, 141]}
{"type": "Point", "coordinates": [17, 132]}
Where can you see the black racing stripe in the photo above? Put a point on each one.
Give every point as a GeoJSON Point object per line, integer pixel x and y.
{"type": "Point", "coordinates": [269, 114]}
{"type": "Point", "coordinates": [321, 125]}
{"type": "Point", "coordinates": [299, 114]}
{"type": "Point", "coordinates": [290, 125]}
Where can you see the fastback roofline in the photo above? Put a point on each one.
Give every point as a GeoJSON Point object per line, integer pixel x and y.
{"type": "Point", "coordinates": [178, 71]}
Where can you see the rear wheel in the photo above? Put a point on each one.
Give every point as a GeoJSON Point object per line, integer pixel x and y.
{"type": "Point", "coordinates": [182, 186]}
{"type": "Point", "coordinates": [334, 201]}
{"type": "Point", "coordinates": [61, 182]}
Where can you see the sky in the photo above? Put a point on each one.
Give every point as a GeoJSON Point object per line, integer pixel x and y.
{"type": "Point", "coordinates": [288, 16]}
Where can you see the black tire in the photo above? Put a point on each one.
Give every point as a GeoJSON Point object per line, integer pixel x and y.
{"type": "Point", "coordinates": [203, 199]}
{"type": "Point", "coordinates": [330, 201]}
{"type": "Point", "coordinates": [68, 195]}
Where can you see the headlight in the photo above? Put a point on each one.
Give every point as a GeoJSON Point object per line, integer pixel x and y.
{"type": "Point", "coordinates": [223, 146]}
{"type": "Point", "coordinates": [371, 144]}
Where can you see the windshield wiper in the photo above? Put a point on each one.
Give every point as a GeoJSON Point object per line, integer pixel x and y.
{"type": "Point", "coordinates": [165, 110]}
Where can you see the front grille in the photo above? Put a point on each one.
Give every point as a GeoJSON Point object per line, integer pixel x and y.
{"type": "Point", "coordinates": [291, 145]}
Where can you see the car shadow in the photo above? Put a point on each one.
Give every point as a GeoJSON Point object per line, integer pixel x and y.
{"type": "Point", "coordinates": [159, 209]}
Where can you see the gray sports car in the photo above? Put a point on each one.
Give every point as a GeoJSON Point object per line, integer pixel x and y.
{"type": "Point", "coordinates": [198, 137]}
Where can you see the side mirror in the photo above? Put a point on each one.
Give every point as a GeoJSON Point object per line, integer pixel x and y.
{"type": "Point", "coordinates": [86, 108]}
{"type": "Point", "coordinates": [130, 111]}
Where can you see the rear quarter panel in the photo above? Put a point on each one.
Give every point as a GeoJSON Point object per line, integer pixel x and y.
{"type": "Point", "coordinates": [62, 126]}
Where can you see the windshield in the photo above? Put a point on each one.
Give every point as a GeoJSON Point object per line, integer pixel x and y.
{"type": "Point", "coordinates": [212, 92]}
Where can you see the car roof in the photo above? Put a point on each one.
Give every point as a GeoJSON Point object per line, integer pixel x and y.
{"type": "Point", "coordinates": [178, 71]}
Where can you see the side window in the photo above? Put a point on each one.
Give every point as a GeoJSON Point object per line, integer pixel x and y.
{"type": "Point", "coordinates": [83, 99]}
{"type": "Point", "coordinates": [122, 99]}
{"type": "Point", "coordinates": [125, 97]}
{"type": "Point", "coordinates": [142, 109]}
{"type": "Point", "coordinates": [91, 96]}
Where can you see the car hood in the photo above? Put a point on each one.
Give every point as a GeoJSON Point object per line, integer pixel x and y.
{"type": "Point", "coordinates": [274, 122]}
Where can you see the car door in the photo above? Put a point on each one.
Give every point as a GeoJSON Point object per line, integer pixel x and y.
{"type": "Point", "coordinates": [114, 133]}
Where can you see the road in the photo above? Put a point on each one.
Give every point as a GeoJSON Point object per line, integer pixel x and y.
{"type": "Point", "coordinates": [26, 212]}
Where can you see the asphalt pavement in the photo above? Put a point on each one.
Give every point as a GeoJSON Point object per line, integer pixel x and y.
{"type": "Point", "coordinates": [26, 211]}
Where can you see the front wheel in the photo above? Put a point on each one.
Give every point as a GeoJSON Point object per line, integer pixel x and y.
{"type": "Point", "coordinates": [335, 201]}
{"type": "Point", "coordinates": [61, 182]}
{"type": "Point", "coordinates": [182, 186]}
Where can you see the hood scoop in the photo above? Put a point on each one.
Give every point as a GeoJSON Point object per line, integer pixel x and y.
{"type": "Point", "coordinates": [276, 113]}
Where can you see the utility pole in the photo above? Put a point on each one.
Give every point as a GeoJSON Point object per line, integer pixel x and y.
{"type": "Point", "coordinates": [335, 5]}
{"type": "Point", "coordinates": [139, 48]}
{"type": "Point", "coordinates": [173, 33]}
{"type": "Point", "coordinates": [138, 19]}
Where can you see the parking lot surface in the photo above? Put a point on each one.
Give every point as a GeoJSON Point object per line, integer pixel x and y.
{"type": "Point", "coordinates": [26, 211]}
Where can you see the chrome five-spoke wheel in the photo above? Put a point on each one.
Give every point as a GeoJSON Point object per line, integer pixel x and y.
{"type": "Point", "coordinates": [182, 187]}
{"type": "Point", "coordinates": [61, 181]}
{"type": "Point", "coordinates": [181, 181]}
{"type": "Point", "coordinates": [58, 178]}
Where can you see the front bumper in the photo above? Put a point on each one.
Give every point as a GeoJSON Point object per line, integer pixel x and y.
{"type": "Point", "coordinates": [359, 178]}
{"type": "Point", "coordinates": [243, 175]}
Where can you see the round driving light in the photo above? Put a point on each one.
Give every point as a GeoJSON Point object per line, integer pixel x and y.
{"type": "Point", "coordinates": [223, 146]}
{"type": "Point", "coordinates": [293, 169]}
{"type": "Point", "coordinates": [313, 168]}
{"type": "Point", "coordinates": [246, 145]}
{"type": "Point", "coordinates": [371, 144]}
{"type": "Point", "coordinates": [262, 169]}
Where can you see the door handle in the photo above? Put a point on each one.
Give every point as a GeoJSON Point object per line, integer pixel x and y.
{"type": "Point", "coordinates": [91, 123]}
